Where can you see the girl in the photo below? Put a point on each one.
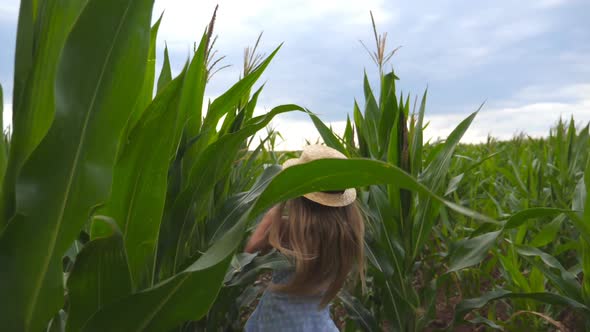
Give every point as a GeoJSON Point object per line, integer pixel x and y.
{"type": "Point", "coordinates": [322, 236]}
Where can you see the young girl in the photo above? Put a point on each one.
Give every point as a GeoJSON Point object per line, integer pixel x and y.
{"type": "Point", "coordinates": [322, 235]}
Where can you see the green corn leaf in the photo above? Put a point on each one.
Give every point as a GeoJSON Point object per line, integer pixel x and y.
{"type": "Point", "coordinates": [248, 272]}
{"type": "Point", "coordinates": [211, 167]}
{"type": "Point", "coordinates": [191, 99]}
{"type": "Point", "coordinates": [140, 182]}
{"type": "Point", "coordinates": [586, 269]}
{"type": "Point", "coordinates": [566, 282]}
{"type": "Point", "coordinates": [252, 103]}
{"type": "Point", "coordinates": [485, 321]}
{"type": "Point", "coordinates": [345, 173]}
{"type": "Point", "coordinates": [166, 72]}
{"type": "Point", "coordinates": [23, 57]}
{"type": "Point", "coordinates": [547, 234]}
{"type": "Point", "coordinates": [454, 184]}
{"type": "Point", "coordinates": [147, 89]}
{"type": "Point", "coordinates": [99, 276]}
{"type": "Point", "coordinates": [436, 171]}
{"type": "Point", "coordinates": [327, 135]}
{"type": "Point", "coordinates": [231, 99]}
{"type": "Point", "coordinates": [514, 276]}
{"type": "Point", "coordinates": [91, 109]}
{"type": "Point", "coordinates": [394, 157]}
{"type": "Point", "coordinates": [359, 123]}
{"type": "Point", "coordinates": [372, 115]}
{"type": "Point", "coordinates": [237, 205]}
{"type": "Point", "coordinates": [389, 111]}
{"type": "Point", "coordinates": [468, 252]}
{"type": "Point", "coordinates": [180, 298]}
{"type": "Point", "coordinates": [434, 177]}
{"type": "Point", "coordinates": [586, 215]}
{"type": "Point", "coordinates": [417, 139]}
{"type": "Point", "coordinates": [522, 216]}
{"type": "Point", "coordinates": [349, 135]}
{"type": "Point", "coordinates": [34, 107]}
{"type": "Point", "coordinates": [357, 312]}
{"type": "Point", "coordinates": [550, 298]}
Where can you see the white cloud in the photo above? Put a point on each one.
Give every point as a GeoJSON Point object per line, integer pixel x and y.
{"type": "Point", "coordinates": [535, 111]}
{"type": "Point", "coordinates": [532, 118]}
{"type": "Point", "coordinates": [546, 4]}
{"type": "Point", "coordinates": [9, 10]}
{"type": "Point", "coordinates": [7, 116]}
{"type": "Point", "coordinates": [296, 132]}
{"type": "Point", "coordinates": [184, 20]}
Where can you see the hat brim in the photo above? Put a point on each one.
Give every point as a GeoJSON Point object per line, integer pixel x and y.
{"type": "Point", "coordinates": [291, 162]}
{"type": "Point", "coordinates": [326, 199]}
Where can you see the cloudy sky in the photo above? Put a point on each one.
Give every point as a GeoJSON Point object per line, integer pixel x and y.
{"type": "Point", "coordinates": [529, 60]}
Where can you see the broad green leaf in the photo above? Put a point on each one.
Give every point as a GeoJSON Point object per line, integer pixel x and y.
{"type": "Point", "coordinates": [349, 134]}
{"type": "Point", "coordinates": [24, 55]}
{"type": "Point", "coordinates": [232, 97]}
{"type": "Point", "coordinates": [389, 111]}
{"type": "Point", "coordinates": [371, 121]}
{"type": "Point", "coordinates": [237, 205]}
{"type": "Point", "coordinates": [208, 169]}
{"type": "Point", "coordinates": [328, 136]}
{"type": "Point", "coordinates": [514, 276]}
{"type": "Point", "coordinates": [453, 184]}
{"type": "Point", "coordinates": [359, 123]}
{"type": "Point", "coordinates": [191, 100]}
{"type": "Point", "coordinates": [417, 139]}
{"type": "Point", "coordinates": [522, 216]}
{"type": "Point", "coordinates": [586, 216]}
{"type": "Point", "coordinates": [434, 177]}
{"type": "Point", "coordinates": [147, 89]}
{"type": "Point", "coordinates": [180, 298]}
{"type": "Point", "coordinates": [34, 108]}
{"type": "Point", "coordinates": [548, 233]}
{"type": "Point", "coordinates": [100, 275]}
{"type": "Point", "coordinates": [252, 103]}
{"type": "Point", "coordinates": [357, 312]}
{"type": "Point", "coordinates": [566, 281]}
{"type": "Point", "coordinates": [468, 305]}
{"type": "Point", "coordinates": [166, 73]}
{"type": "Point", "coordinates": [584, 243]}
{"type": "Point", "coordinates": [335, 174]}
{"type": "Point", "coordinates": [579, 199]}
{"type": "Point", "coordinates": [91, 109]}
{"type": "Point", "coordinates": [249, 270]}
{"type": "Point", "coordinates": [483, 320]}
{"type": "Point", "coordinates": [586, 270]}
{"type": "Point", "coordinates": [469, 252]}
{"type": "Point", "coordinates": [437, 170]}
{"type": "Point", "coordinates": [140, 182]}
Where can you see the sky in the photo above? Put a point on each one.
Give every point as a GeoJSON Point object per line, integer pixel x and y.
{"type": "Point", "coordinates": [529, 60]}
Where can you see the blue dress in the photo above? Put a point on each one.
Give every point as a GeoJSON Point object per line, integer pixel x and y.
{"type": "Point", "coordinates": [283, 312]}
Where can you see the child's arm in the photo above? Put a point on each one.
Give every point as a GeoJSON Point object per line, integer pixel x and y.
{"type": "Point", "coordinates": [259, 239]}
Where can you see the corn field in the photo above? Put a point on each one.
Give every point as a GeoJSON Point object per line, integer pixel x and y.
{"type": "Point", "coordinates": [125, 202]}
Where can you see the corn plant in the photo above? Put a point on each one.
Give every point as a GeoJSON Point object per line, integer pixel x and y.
{"type": "Point", "coordinates": [400, 245]}
{"type": "Point", "coordinates": [532, 273]}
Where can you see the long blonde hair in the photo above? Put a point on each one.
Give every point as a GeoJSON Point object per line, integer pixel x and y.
{"type": "Point", "coordinates": [324, 243]}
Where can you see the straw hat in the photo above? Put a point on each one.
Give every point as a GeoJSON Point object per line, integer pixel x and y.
{"type": "Point", "coordinates": [314, 152]}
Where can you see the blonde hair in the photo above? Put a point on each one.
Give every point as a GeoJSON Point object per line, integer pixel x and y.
{"type": "Point", "coordinates": [324, 243]}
